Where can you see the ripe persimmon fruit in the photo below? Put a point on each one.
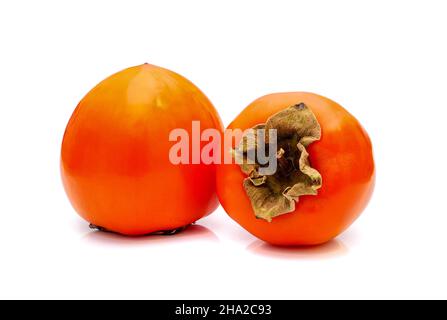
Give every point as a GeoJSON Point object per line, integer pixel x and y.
{"type": "Point", "coordinates": [324, 178]}
{"type": "Point", "coordinates": [115, 162]}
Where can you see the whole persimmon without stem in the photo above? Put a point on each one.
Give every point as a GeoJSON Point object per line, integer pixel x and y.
{"type": "Point", "coordinates": [115, 153]}
{"type": "Point", "coordinates": [324, 178]}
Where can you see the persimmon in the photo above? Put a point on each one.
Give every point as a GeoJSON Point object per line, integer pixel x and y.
{"type": "Point", "coordinates": [324, 177]}
{"type": "Point", "coordinates": [115, 162]}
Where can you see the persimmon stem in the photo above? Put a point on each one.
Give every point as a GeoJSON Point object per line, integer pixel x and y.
{"type": "Point", "coordinates": [158, 233]}
{"type": "Point", "coordinates": [275, 193]}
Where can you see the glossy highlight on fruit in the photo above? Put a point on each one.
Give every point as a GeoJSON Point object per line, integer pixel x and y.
{"type": "Point", "coordinates": [339, 167]}
{"type": "Point", "coordinates": [115, 162]}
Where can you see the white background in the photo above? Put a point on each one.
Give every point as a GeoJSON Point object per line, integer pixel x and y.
{"type": "Point", "coordinates": [385, 61]}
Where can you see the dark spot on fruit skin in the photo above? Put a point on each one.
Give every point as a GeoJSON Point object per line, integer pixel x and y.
{"type": "Point", "coordinates": [300, 106]}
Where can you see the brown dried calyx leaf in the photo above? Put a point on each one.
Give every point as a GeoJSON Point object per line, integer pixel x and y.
{"type": "Point", "coordinates": [275, 193]}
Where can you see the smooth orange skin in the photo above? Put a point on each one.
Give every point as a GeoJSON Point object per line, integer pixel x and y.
{"type": "Point", "coordinates": [115, 153]}
{"type": "Point", "coordinates": [343, 156]}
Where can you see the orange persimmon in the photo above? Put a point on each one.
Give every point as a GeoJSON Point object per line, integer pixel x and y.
{"type": "Point", "coordinates": [325, 174]}
{"type": "Point", "coordinates": [115, 153]}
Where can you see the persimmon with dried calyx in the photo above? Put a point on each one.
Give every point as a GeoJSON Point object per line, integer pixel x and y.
{"type": "Point", "coordinates": [115, 161]}
{"type": "Point", "coordinates": [324, 175]}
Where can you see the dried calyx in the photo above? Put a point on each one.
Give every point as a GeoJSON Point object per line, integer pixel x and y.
{"type": "Point", "coordinates": [275, 193]}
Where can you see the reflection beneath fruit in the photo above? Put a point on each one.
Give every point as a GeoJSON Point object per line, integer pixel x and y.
{"type": "Point", "coordinates": [331, 249]}
{"type": "Point", "coordinates": [191, 233]}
